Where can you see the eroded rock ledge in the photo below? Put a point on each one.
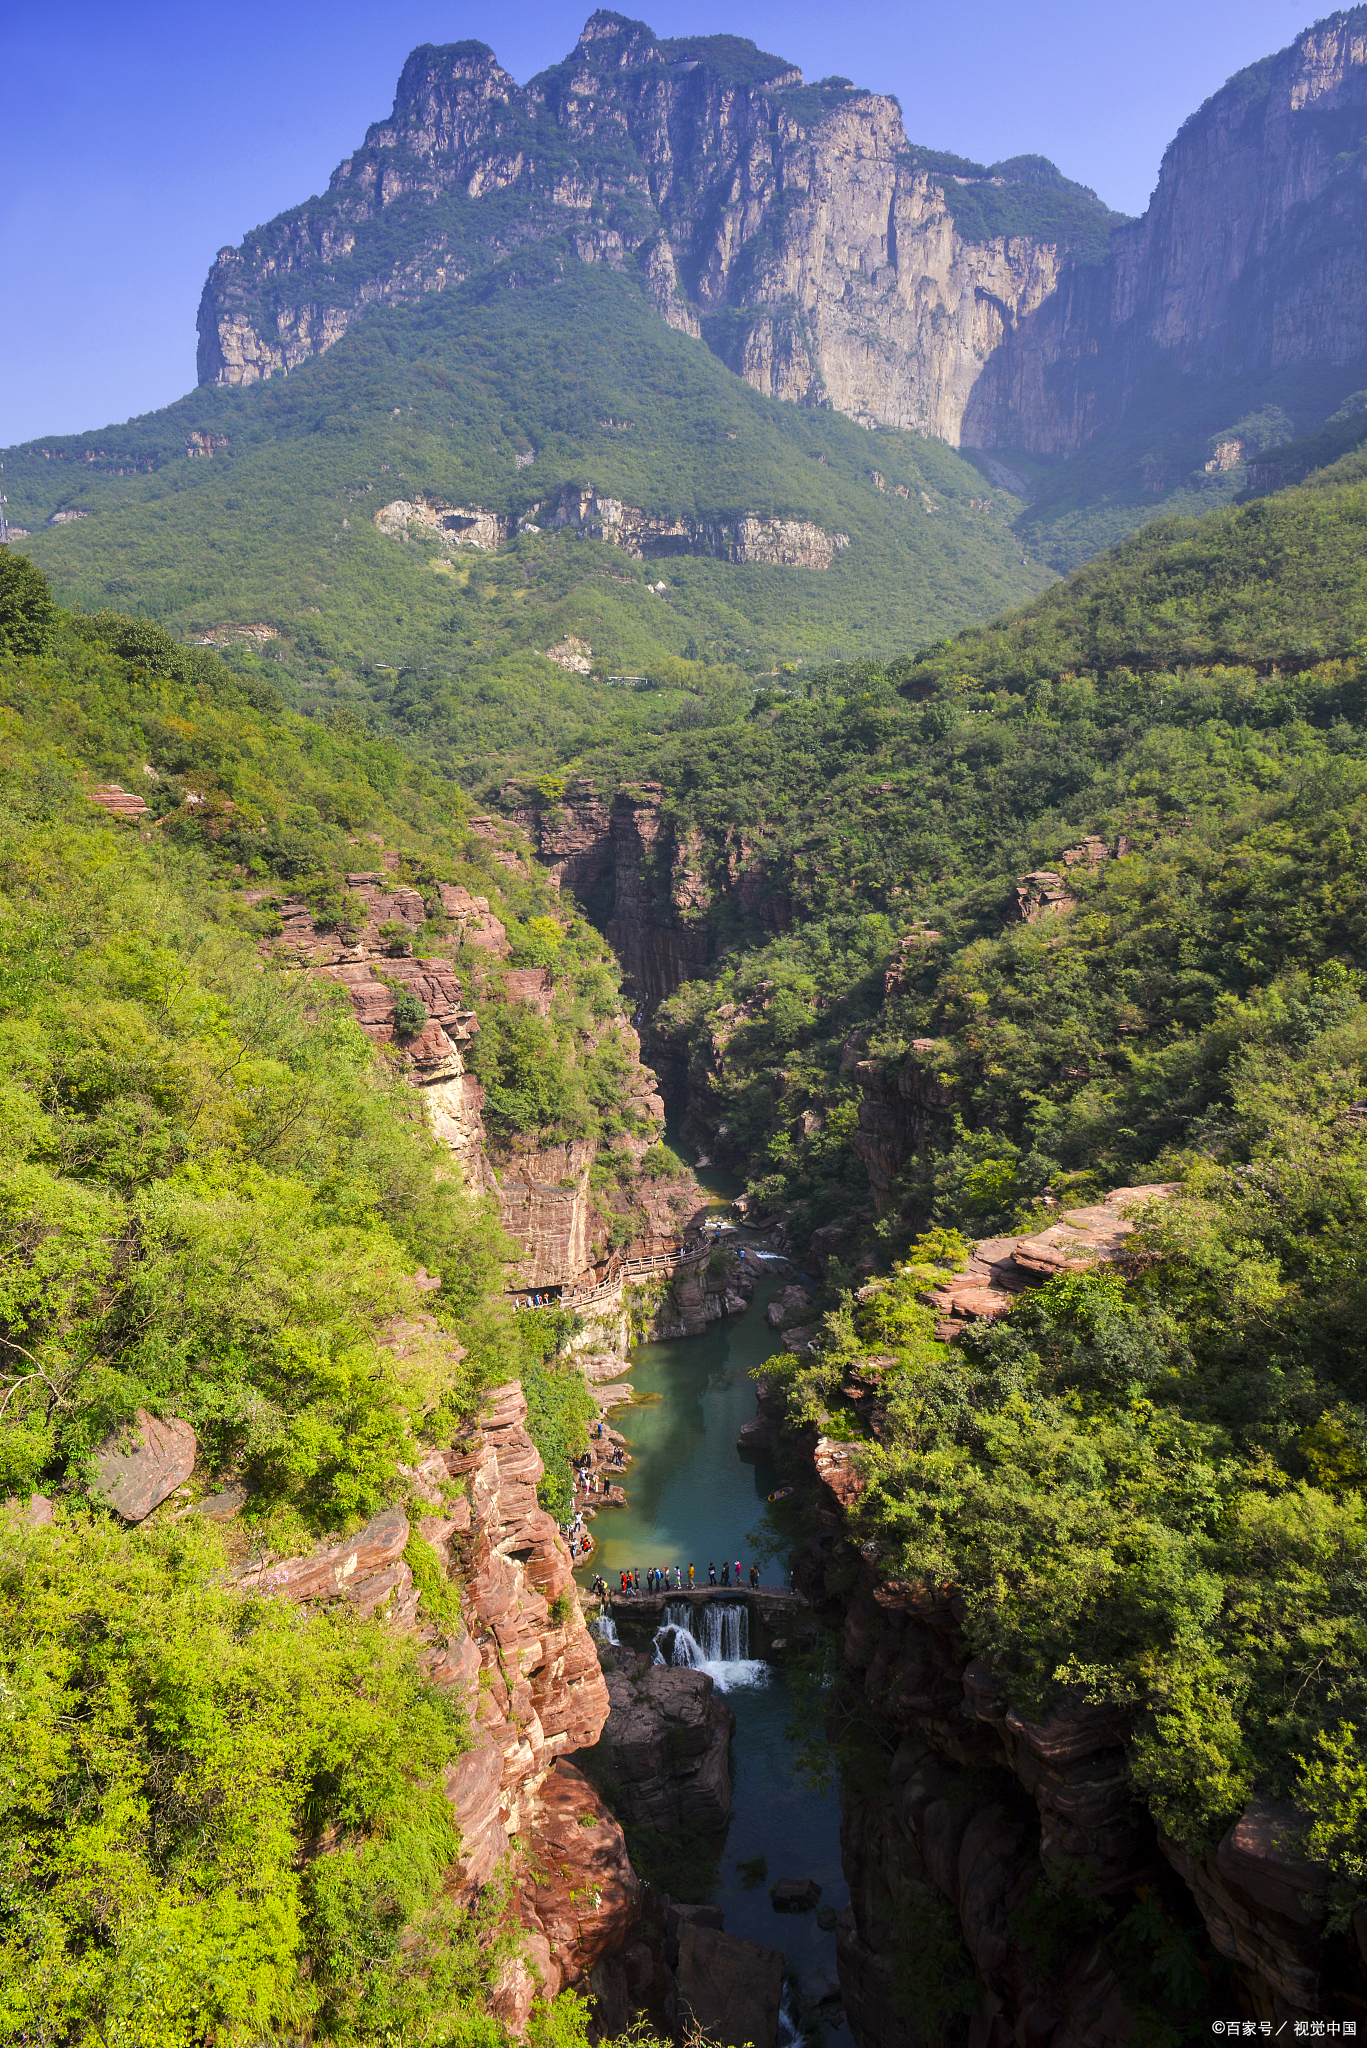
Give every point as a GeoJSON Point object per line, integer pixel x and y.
{"type": "Point", "coordinates": [738, 538]}
{"type": "Point", "coordinates": [525, 1669]}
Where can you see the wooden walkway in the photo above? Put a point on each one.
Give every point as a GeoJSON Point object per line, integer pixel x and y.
{"type": "Point", "coordinates": [644, 1267]}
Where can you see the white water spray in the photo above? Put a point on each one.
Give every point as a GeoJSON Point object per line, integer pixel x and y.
{"type": "Point", "coordinates": [607, 1629]}
{"type": "Point", "coordinates": [724, 1651]}
{"type": "Point", "coordinates": [789, 2025]}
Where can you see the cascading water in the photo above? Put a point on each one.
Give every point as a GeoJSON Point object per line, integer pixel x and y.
{"type": "Point", "coordinates": [724, 1651]}
{"type": "Point", "coordinates": [607, 1630]}
{"type": "Point", "coordinates": [789, 2025]}
{"type": "Point", "coordinates": [691, 1496]}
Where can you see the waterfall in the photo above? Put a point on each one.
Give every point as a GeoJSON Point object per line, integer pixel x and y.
{"type": "Point", "coordinates": [789, 2025]}
{"type": "Point", "coordinates": [724, 1650]}
{"type": "Point", "coordinates": [607, 1629]}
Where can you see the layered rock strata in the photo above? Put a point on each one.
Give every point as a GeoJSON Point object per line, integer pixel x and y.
{"type": "Point", "coordinates": [746, 537]}
{"type": "Point", "coordinates": [544, 1194]}
{"type": "Point", "coordinates": [651, 884]}
{"type": "Point", "coordinates": [1251, 257]}
{"type": "Point", "coordinates": [801, 212]}
{"type": "Point", "coordinates": [1003, 1267]}
{"type": "Point", "coordinates": [525, 1670]}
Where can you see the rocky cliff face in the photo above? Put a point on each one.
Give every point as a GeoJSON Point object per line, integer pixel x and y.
{"type": "Point", "coordinates": [952, 1842]}
{"type": "Point", "coordinates": [780, 543]}
{"type": "Point", "coordinates": [797, 230]}
{"type": "Point", "coordinates": [525, 1669]}
{"type": "Point", "coordinates": [796, 216]}
{"type": "Point", "coordinates": [1252, 256]}
{"type": "Point", "coordinates": [649, 884]}
{"type": "Point", "coordinates": [543, 1190]}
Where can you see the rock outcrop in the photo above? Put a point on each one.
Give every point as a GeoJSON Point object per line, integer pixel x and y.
{"type": "Point", "coordinates": [828, 260]}
{"type": "Point", "coordinates": [425, 1012]}
{"type": "Point", "coordinates": [120, 803]}
{"type": "Point", "coordinates": [728, 1989]}
{"type": "Point", "coordinates": [745, 537]}
{"type": "Point", "coordinates": [1002, 1267]}
{"type": "Point", "coordinates": [664, 1757]}
{"type": "Point", "coordinates": [525, 1669]}
{"type": "Point", "coordinates": [140, 1466]}
{"type": "Point", "coordinates": [983, 1809]}
{"type": "Point", "coordinates": [650, 882]}
{"type": "Point", "coordinates": [451, 526]}
{"type": "Point", "coordinates": [1252, 257]}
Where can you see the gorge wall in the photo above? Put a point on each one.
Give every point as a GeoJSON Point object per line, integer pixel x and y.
{"type": "Point", "coordinates": [822, 255]}
{"type": "Point", "coordinates": [651, 885]}
{"type": "Point", "coordinates": [1007, 1866]}
{"type": "Point", "coordinates": [544, 1190]}
{"type": "Point", "coordinates": [511, 1649]}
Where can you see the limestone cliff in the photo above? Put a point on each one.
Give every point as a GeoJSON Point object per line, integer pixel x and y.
{"type": "Point", "coordinates": [1252, 256]}
{"type": "Point", "coordinates": [791, 224]}
{"type": "Point", "coordinates": [826, 259]}
{"type": "Point", "coordinates": [578, 508]}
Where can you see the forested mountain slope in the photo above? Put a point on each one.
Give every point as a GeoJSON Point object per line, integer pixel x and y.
{"type": "Point", "coordinates": [410, 523]}
{"type": "Point", "coordinates": [1070, 904]}
{"type": "Point", "coordinates": [244, 1285]}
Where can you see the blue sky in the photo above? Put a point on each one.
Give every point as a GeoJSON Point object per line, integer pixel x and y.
{"type": "Point", "coordinates": [139, 138]}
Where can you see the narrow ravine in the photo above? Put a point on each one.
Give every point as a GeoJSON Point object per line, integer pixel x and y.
{"type": "Point", "coordinates": [694, 1499]}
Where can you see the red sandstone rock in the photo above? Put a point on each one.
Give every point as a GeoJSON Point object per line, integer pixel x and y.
{"type": "Point", "coordinates": [838, 1473]}
{"type": "Point", "coordinates": [338, 1567]}
{"type": "Point", "coordinates": [36, 1512]}
{"type": "Point", "coordinates": [667, 1743]}
{"type": "Point", "coordinates": [1261, 1855]}
{"type": "Point", "coordinates": [120, 803]}
{"type": "Point", "coordinates": [138, 1467]}
{"type": "Point", "coordinates": [534, 986]}
{"type": "Point", "coordinates": [589, 1905]}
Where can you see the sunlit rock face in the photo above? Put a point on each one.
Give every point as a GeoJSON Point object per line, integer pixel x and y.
{"type": "Point", "coordinates": [796, 229]}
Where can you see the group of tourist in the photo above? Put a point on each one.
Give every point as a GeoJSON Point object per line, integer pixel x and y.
{"type": "Point", "coordinates": [669, 1578]}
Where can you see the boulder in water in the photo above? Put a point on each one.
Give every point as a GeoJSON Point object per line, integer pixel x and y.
{"type": "Point", "coordinates": [667, 1744]}
{"type": "Point", "coordinates": [795, 1894]}
{"type": "Point", "coordinates": [675, 1917]}
{"type": "Point", "coordinates": [728, 1988]}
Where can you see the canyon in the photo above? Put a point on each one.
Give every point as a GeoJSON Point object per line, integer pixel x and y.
{"type": "Point", "coordinates": [828, 260]}
{"type": "Point", "coordinates": [648, 883]}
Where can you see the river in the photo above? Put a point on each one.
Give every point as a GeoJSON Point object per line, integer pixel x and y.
{"type": "Point", "coordinates": [692, 1498]}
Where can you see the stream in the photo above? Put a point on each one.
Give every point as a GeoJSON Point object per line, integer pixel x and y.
{"type": "Point", "coordinates": [692, 1498]}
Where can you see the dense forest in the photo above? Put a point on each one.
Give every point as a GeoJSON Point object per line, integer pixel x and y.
{"type": "Point", "coordinates": [1069, 902]}
{"type": "Point", "coordinates": [216, 1197]}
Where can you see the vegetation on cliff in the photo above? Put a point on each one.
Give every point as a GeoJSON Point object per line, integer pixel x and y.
{"type": "Point", "coordinates": [476, 400]}
{"type": "Point", "coordinates": [1148, 1488]}
{"type": "Point", "coordinates": [215, 1196]}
